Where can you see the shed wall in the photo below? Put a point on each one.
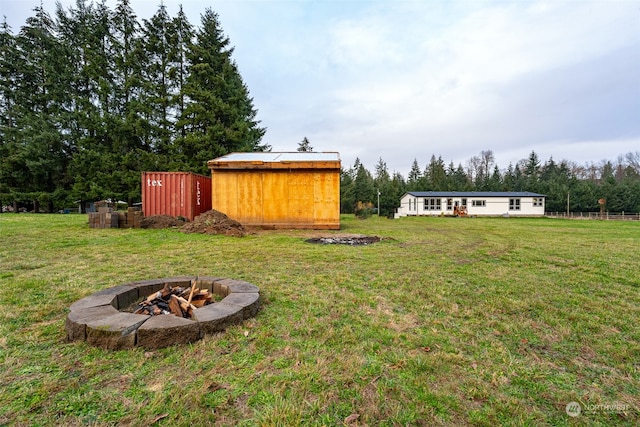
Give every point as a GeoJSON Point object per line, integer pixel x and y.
{"type": "Point", "coordinates": [280, 198]}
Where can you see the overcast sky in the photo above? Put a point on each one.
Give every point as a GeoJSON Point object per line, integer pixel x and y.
{"type": "Point", "coordinates": [403, 80]}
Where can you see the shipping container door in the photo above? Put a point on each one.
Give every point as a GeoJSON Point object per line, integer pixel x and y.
{"type": "Point", "coordinates": [201, 189]}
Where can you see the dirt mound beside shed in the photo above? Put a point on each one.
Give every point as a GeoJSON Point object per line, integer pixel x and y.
{"type": "Point", "coordinates": [215, 222]}
{"type": "Point", "coordinates": [161, 221]}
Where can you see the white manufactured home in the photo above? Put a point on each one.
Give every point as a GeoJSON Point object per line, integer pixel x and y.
{"type": "Point", "coordinates": [473, 203]}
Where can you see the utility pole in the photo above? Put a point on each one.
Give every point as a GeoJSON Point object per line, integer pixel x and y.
{"type": "Point", "coordinates": [567, 204]}
{"type": "Point", "coordinates": [378, 203]}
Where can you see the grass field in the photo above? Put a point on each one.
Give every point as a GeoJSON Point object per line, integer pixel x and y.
{"type": "Point", "coordinates": [446, 321]}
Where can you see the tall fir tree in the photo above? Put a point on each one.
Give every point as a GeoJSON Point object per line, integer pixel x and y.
{"type": "Point", "coordinates": [531, 172]}
{"type": "Point", "coordinates": [435, 174]}
{"type": "Point", "coordinates": [159, 87]}
{"type": "Point", "coordinates": [183, 38]}
{"type": "Point", "coordinates": [81, 30]}
{"type": "Point", "coordinates": [364, 186]}
{"type": "Point", "coordinates": [220, 117]}
{"type": "Point", "coordinates": [39, 153]}
{"type": "Point", "coordinates": [9, 64]}
{"type": "Point", "coordinates": [413, 179]}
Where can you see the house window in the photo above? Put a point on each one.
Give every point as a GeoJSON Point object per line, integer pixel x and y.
{"type": "Point", "coordinates": [514, 204]}
{"type": "Point", "coordinates": [538, 201]}
{"type": "Point", "coordinates": [464, 202]}
{"type": "Point", "coordinates": [432, 204]}
{"type": "Point", "coordinates": [479, 203]}
{"type": "Point", "coordinates": [449, 204]}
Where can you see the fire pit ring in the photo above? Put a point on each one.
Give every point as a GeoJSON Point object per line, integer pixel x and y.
{"type": "Point", "coordinates": [99, 318]}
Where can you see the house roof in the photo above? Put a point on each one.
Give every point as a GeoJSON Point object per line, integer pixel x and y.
{"type": "Point", "coordinates": [277, 160]}
{"type": "Point", "coordinates": [470, 194]}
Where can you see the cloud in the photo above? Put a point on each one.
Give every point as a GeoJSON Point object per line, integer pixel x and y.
{"type": "Point", "coordinates": [501, 75]}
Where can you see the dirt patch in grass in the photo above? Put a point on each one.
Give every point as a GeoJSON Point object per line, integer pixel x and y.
{"type": "Point", "coordinates": [215, 222]}
{"type": "Point", "coordinates": [162, 221]}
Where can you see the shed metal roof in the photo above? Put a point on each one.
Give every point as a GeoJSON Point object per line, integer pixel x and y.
{"type": "Point", "coordinates": [267, 156]}
{"type": "Point", "coordinates": [470, 194]}
{"type": "Point", "coordinates": [299, 160]}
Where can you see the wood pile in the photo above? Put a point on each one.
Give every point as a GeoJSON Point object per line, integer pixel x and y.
{"type": "Point", "coordinates": [175, 300]}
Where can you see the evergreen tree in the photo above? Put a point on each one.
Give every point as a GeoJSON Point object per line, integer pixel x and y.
{"type": "Point", "coordinates": [413, 179]}
{"type": "Point", "coordinates": [382, 189]}
{"type": "Point", "coordinates": [161, 54]}
{"type": "Point", "coordinates": [364, 186]}
{"type": "Point", "coordinates": [390, 199]}
{"type": "Point", "coordinates": [509, 179]}
{"type": "Point", "coordinates": [381, 173]}
{"type": "Point", "coordinates": [305, 145]}
{"type": "Point", "coordinates": [184, 37]}
{"type": "Point", "coordinates": [435, 174]}
{"type": "Point", "coordinates": [85, 32]}
{"type": "Point", "coordinates": [38, 152]}
{"type": "Point", "coordinates": [494, 181]}
{"type": "Point", "coordinates": [9, 64]}
{"type": "Point", "coordinates": [556, 183]}
{"type": "Point", "coordinates": [519, 181]}
{"type": "Point", "coordinates": [220, 117]}
{"type": "Point", "coordinates": [531, 172]}
{"type": "Point", "coordinates": [129, 59]}
{"type": "Point", "coordinates": [457, 178]}
{"type": "Point", "coordinates": [347, 190]}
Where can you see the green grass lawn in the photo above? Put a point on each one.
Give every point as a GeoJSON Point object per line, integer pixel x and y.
{"type": "Point", "coordinates": [446, 321]}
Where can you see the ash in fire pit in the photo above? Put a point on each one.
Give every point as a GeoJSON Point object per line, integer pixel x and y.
{"type": "Point", "coordinates": [341, 240]}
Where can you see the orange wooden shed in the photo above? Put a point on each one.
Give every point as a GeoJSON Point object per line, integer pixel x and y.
{"type": "Point", "coordinates": [278, 190]}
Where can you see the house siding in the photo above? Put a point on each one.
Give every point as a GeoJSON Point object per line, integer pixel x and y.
{"type": "Point", "coordinates": [478, 204]}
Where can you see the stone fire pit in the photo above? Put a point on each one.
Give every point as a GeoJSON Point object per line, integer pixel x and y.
{"type": "Point", "coordinates": [101, 319]}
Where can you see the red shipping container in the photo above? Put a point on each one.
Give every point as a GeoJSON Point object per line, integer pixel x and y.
{"type": "Point", "coordinates": [176, 194]}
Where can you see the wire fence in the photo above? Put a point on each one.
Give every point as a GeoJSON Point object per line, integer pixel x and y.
{"type": "Point", "coordinates": [613, 216]}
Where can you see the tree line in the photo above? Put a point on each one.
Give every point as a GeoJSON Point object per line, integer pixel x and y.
{"type": "Point", "coordinates": [566, 184]}
{"type": "Point", "coordinates": [90, 97]}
